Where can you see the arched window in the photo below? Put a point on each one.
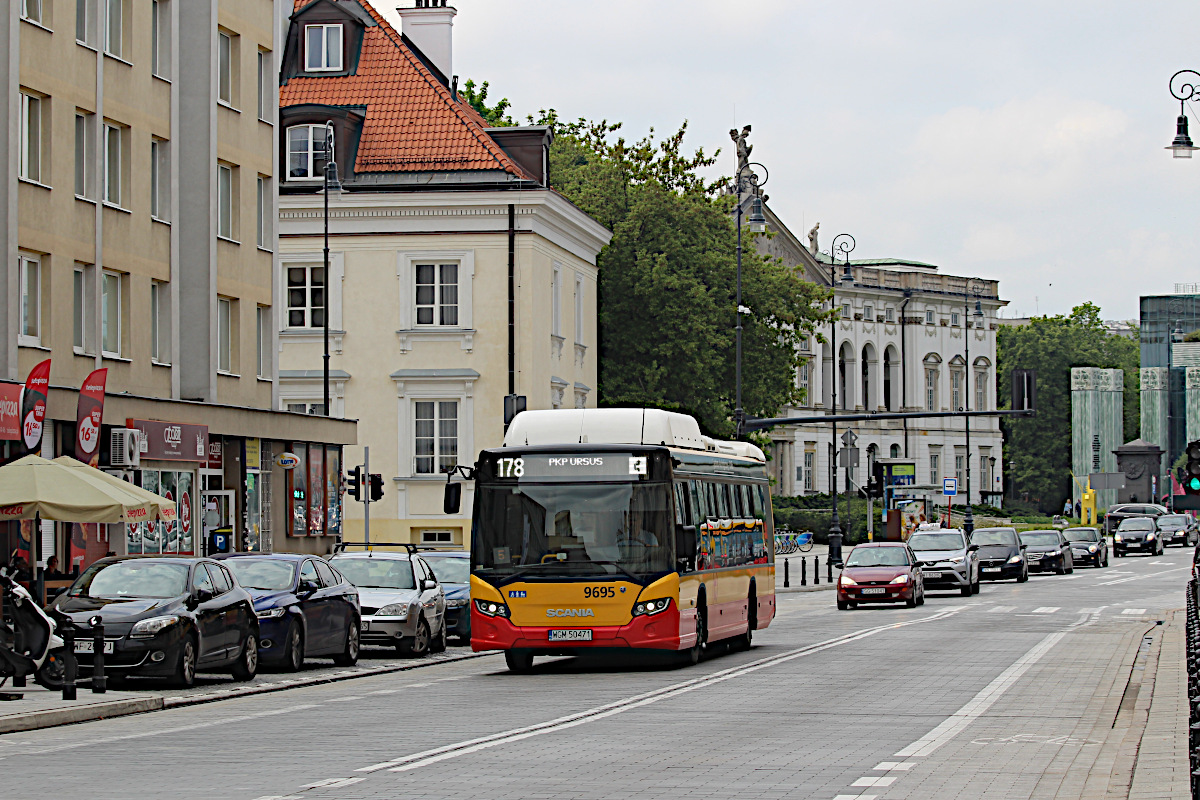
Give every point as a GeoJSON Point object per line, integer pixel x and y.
{"type": "Point", "coordinates": [983, 385]}
{"type": "Point", "coordinates": [933, 363]}
{"type": "Point", "coordinates": [891, 380]}
{"type": "Point", "coordinates": [895, 451]}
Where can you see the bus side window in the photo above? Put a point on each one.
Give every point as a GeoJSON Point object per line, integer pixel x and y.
{"type": "Point", "coordinates": [699, 510]}
{"type": "Point", "coordinates": [682, 517]}
{"type": "Point", "coordinates": [756, 495]}
{"type": "Point", "coordinates": [721, 490]}
{"type": "Point", "coordinates": [747, 506]}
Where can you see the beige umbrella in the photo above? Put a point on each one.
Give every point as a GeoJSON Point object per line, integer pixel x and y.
{"type": "Point", "coordinates": [37, 488]}
{"type": "Point", "coordinates": [161, 507]}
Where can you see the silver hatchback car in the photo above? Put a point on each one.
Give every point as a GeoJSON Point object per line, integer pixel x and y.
{"type": "Point", "coordinates": [403, 605]}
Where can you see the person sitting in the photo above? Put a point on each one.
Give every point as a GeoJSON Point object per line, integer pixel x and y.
{"type": "Point", "coordinates": [53, 571]}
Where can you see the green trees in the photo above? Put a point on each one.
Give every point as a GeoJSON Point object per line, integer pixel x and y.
{"type": "Point", "coordinates": [1039, 449]}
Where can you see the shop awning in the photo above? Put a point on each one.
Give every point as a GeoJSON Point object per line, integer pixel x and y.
{"type": "Point", "coordinates": [165, 508]}
{"type": "Point", "coordinates": [34, 487]}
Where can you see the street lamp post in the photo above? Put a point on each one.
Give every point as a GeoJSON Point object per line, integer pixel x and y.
{"type": "Point", "coordinates": [331, 184]}
{"type": "Point", "coordinates": [746, 178]}
{"type": "Point", "coordinates": [842, 243]}
{"type": "Point", "coordinates": [1184, 86]}
{"type": "Point", "coordinates": [969, 517]}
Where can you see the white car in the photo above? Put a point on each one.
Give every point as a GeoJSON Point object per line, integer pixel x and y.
{"type": "Point", "coordinates": [403, 605]}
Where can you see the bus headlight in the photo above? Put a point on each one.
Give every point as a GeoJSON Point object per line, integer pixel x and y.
{"type": "Point", "coordinates": [648, 607]}
{"type": "Point", "coordinates": [490, 608]}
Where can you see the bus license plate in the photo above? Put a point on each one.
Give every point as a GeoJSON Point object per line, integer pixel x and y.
{"type": "Point", "coordinates": [571, 636]}
{"type": "Point", "coordinates": [87, 646]}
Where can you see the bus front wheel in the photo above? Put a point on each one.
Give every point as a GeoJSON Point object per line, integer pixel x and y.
{"type": "Point", "coordinates": [697, 649]}
{"type": "Point", "coordinates": [519, 660]}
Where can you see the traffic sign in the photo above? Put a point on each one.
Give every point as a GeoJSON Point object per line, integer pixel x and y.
{"type": "Point", "coordinates": [949, 487]}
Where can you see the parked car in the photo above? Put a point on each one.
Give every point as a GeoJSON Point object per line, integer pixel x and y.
{"type": "Point", "coordinates": [1088, 546]}
{"type": "Point", "coordinates": [1048, 550]}
{"type": "Point", "coordinates": [403, 605]}
{"type": "Point", "coordinates": [453, 571]}
{"type": "Point", "coordinates": [1177, 529]}
{"type": "Point", "coordinates": [305, 607]}
{"type": "Point", "coordinates": [165, 616]}
{"type": "Point", "coordinates": [1137, 534]}
{"type": "Point", "coordinates": [1116, 514]}
{"type": "Point", "coordinates": [947, 559]}
{"type": "Point", "coordinates": [880, 572]}
{"type": "Point", "coordinates": [1001, 555]}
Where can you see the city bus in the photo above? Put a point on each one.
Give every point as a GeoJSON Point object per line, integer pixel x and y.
{"type": "Point", "coordinates": [617, 529]}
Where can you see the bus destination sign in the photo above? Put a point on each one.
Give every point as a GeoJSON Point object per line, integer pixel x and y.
{"type": "Point", "coordinates": [574, 467]}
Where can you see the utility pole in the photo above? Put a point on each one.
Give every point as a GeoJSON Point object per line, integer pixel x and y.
{"type": "Point", "coordinates": [366, 498]}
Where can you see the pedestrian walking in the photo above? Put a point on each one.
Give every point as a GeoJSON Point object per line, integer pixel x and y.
{"type": "Point", "coordinates": [1078, 508]}
{"type": "Point", "coordinates": [1067, 508]}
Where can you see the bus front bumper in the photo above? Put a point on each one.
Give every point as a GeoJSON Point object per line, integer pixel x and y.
{"type": "Point", "coordinates": [657, 632]}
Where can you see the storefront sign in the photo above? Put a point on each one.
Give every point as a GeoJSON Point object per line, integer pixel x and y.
{"type": "Point", "coordinates": [33, 408]}
{"type": "Point", "coordinates": [171, 441]}
{"type": "Point", "coordinates": [10, 411]}
{"type": "Point", "coordinates": [253, 454]}
{"type": "Point", "coordinates": [287, 460]}
{"type": "Point", "coordinates": [88, 417]}
{"type": "Point", "coordinates": [216, 454]}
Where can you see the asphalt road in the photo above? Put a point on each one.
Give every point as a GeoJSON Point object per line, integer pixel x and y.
{"type": "Point", "coordinates": [998, 695]}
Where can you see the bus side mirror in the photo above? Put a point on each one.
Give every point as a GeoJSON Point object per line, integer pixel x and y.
{"type": "Point", "coordinates": [452, 502]}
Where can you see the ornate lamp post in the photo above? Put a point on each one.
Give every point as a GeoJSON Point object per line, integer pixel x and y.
{"type": "Point", "coordinates": [747, 180]}
{"type": "Point", "coordinates": [971, 292]}
{"type": "Point", "coordinates": [1183, 89]}
{"type": "Point", "coordinates": [843, 243]}
{"type": "Point", "coordinates": [331, 184]}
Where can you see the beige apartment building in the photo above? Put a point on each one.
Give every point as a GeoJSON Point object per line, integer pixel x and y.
{"type": "Point", "coordinates": [139, 206]}
{"type": "Point", "coordinates": [456, 275]}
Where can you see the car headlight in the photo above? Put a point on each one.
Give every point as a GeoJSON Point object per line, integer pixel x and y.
{"type": "Point", "coordinates": [1092, 548]}
{"type": "Point", "coordinates": [491, 609]}
{"type": "Point", "coordinates": [1117, 537]}
{"type": "Point", "coordinates": [1015, 560]}
{"type": "Point", "coordinates": [846, 580]}
{"type": "Point", "coordinates": [900, 579]}
{"type": "Point", "coordinates": [152, 626]}
{"type": "Point", "coordinates": [459, 603]}
{"type": "Point", "coordinates": [394, 610]}
{"type": "Point", "coordinates": [271, 613]}
{"type": "Point", "coordinates": [649, 607]}
{"type": "Point", "coordinates": [1149, 537]}
{"type": "Point", "coordinates": [957, 560]}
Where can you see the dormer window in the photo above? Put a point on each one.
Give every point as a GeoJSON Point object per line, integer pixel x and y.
{"type": "Point", "coordinates": [322, 48]}
{"type": "Point", "coordinates": [306, 152]}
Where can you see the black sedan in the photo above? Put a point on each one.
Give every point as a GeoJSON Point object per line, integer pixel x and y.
{"type": "Point", "coordinates": [165, 616]}
{"type": "Point", "coordinates": [305, 607]}
{"type": "Point", "coordinates": [1137, 534]}
{"type": "Point", "coordinates": [1047, 550]}
{"type": "Point", "coordinates": [1088, 546]}
{"type": "Point", "coordinates": [1177, 529]}
{"type": "Point", "coordinates": [1001, 555]}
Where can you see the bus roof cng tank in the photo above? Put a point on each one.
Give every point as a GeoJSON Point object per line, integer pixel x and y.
{"type": "Point", "coordinates": [647, 426]}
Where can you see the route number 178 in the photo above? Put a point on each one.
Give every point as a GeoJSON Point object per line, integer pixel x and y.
{"type": "Point", "coordinates": [512, 467]}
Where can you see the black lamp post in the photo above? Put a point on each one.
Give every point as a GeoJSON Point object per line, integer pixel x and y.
{"type": "Point", "coordinates": [747, 179]}
{"type": "Point", "coordinates": [842, 243]}
{"type": "Point", "coordinates": [331, 184]}
{"type": "Point", "coordinates": [1183, 89]}
{"type": "Point", "coordinates": [969, 517]}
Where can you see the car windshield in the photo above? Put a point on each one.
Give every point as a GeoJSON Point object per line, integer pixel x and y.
{"type": "Point", "coordinates": [449, 570]}
{"type": "Point", "coordinates": [263, 573]}
{"type": "Point", "coordinates": [377, 573]}
{"type": "Point", "coordinates": [936, 541]}
{"type": "Point", "coordinates": [125, 580]}
{"type": "Point", "coordinates": [573, 530]}
{"type": "Point", "coordinates": [1174, 522]}
{"type": "Point", "coordinates": [1082, 535]}
{"type": "Point", "coordinates": [877, 557]}
{"type": "Point", "coordinates": [1040, 538]}
{"type": "Point", "coordinates": [1136, 524]}
{"type": "Point", "coordinates": [1003, 537]}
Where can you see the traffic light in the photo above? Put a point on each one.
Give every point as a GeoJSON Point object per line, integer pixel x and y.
{"type": "Point", "coordinates": [1191, 472]}
{"type": "Point", "coordinates": [376, 487]}
{"type": "Point", "coordinates": [875, 485]}
{"type": "Point", "coordinates": [354, 483]}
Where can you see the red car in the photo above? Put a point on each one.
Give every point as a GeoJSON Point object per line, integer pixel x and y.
{"type": "Point", "coordinates": [880, 572]}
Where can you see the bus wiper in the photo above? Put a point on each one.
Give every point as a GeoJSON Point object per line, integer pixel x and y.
{"type": "Point", "coordinates": [632, 577]}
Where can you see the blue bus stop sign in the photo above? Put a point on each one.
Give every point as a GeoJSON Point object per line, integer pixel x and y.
{"type": "Point", "coordinates": [949, 487]}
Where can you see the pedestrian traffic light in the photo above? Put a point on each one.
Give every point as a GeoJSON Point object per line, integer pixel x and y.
{"type": "Point", "coordinates": [1191, 483]}
{"type": "Point", "coordinates": [354, 483]}
{"type": "Point", "coordinates": [376, 487]}
{"type": "Point", "coordinates": [875, 486]}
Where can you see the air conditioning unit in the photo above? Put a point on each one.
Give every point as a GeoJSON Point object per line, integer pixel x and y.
{"type": "Point", "coordinates": [125, 447]}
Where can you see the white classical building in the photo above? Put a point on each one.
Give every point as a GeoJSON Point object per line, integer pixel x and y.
{"type": "Point", "coordinates": [908, 340]}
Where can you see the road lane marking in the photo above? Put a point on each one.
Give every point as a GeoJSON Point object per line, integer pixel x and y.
{"type": "Point", "coordinates": [1140, 577]}
{"type": "Point", "coordinates": [1047, 609]}
{"type": "Point", "coordinates": [889, 766]}
{"type": "Point", "coordinates": [1134, 611]}
{"type": "Point", "coordinates": [888, 781]}
{"type": "Point", "coordinates": [836, 797]}
{"type": "Point", "coordinates": [1001, 609]}
{"type": "Point", "coordinates": [345, 699]}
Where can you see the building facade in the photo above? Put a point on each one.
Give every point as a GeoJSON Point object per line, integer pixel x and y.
{"type": "Point", "coordinates": [140, 204]}
{"type": "Point", "coordinates": [1166, 360]}
{"type": "Point", "coordinates": [907, 339]}
{"type": "Point", "coordinates": [456, 275]}
{"type": "Point", "coordinates": [1097, 427]}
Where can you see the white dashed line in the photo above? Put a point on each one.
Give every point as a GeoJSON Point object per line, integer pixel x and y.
{"type": "Point", "coordinates": [888, 781]}
{"type": "Point", "coordinates": [1134, 611]}
{"type": "Point", "coordinates": [890, 766]}
{"type": "Point", "coordinates": [1001, 609]}
{"type": "Point", "coordinates": [836, 797]}
{"type": "Point", "coordinates": [1046, 609]}
{"type": "Point", "coordinates": [346, 699]}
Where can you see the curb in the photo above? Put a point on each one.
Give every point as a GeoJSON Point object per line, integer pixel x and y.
{"type": "Point", "coordinates": [797, 589]}
{"type": "Point", "coordinates": [53, 717]}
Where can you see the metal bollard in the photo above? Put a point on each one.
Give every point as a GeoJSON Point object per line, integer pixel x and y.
{"type": "Point", "coordinates": [70, 665]}
{"type": "Point", "coordinates": [99, 682]}
{"type": "Point", "coordinates": [828, 570]}
{"type": "Point", "coordinates": [816, 570]}
{"type": "Point", "coordinates": [787, 578]}
{"type": "Point", "coordinates": [803, 572]}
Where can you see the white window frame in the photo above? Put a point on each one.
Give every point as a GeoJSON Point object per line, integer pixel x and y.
{"type": "Point", "coordinates": [78, 309]}
{"type": "Point", "coordinates": [935, 466]}
{"type": "Point", "coordinates": [313, 408]}
{"type": "Point", "coordinates": [409, 332]}
{"type": "Point", "coordinates": [312, 154]}
{"type": "Point", "coordinates": [556, 300]}
{"type": "Point", "coordinates": [954, 319]}
{"type": "Point", "coordinates": [579, 328]}
{"type": "Point", "coordinates": [264, 234]}
{"type": "Point", "coordinates": [981, 380]}
{"type": "Point", "coordinates": [956, 388]}
{"type": "Point", "coordinates": [156, 12]}
{"type": "Point", "coordinates": [30, 164]}
{"type": "Point", "coordinates": [262, 328]}
{"type": "Point", "coordinates": [929, 316]}
{"type": "Point", "coordinates": [156, 146]}
{"type": "Point", "coordinates": [85, 23]}
{"type": "Point", "coordinates": [225, 68]}
{"type": "Point", "coordinates": [112, 32]}
{"type": "Point", "coordinates": [446, 294]}
{"type": "Point", "coordinates": [105, 292]}
{"type": "Point", "coordinates": [869, 313]}
{"type": "Point", "coordinates": [889, 314]}
{"type": "Point", "coordinates": [160, 322]}
{"type": "Point", "coordinates": [803, 375]}
{"type": "Point", "coordinates": [113, 171]}
{"type": "Point", "coordinates": [32, 11]}
{"type": "Point", "coordinates": [307, 289]}
{"type": "Point", "coordinates": [435, 387]}
{"type": "Point", "coordinates": [29, 332]}
{"type": "Point", "coordinates": [225, 335]}
{"type": "Point", "coordinates": [226, 212]}
{"type": "Point", "coordinates": [810, 460]}
{"type": "Point", "coordinates": [959, 470]}
{"type": "Point", "coordinates": [324, 63]}
{"type": "Point", "coordinates": [267, 98]}
{"type": "Point", "coordinates": [83, 153]}
{"type": "Point", "coordinates": [931, 388]}
{"type": "Point", "coordinates": [439, 459]}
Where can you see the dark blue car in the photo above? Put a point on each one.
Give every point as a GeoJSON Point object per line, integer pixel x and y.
{"type": "Point", "coordinates": [305, 607]}
{"type": "Point", "coordinates": [453, 571]}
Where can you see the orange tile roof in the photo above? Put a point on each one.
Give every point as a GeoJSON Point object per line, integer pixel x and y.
{"type": "Point", "coordinates": [412, 124]}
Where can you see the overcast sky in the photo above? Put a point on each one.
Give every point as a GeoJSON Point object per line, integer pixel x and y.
{"type": "Point", "coordinates": [1017, 140]}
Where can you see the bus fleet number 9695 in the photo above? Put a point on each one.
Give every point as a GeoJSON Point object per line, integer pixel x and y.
{"type": "Point", "coordinates": [599, 591]}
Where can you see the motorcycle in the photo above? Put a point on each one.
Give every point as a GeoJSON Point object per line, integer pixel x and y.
{"type": "Point", "coordinates": [29, 640]}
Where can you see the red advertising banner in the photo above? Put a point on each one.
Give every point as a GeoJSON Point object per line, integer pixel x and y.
{"type": "Point", "coordinates": [10, 411]}
{"type": "Point", "coordinates": [171, 441]}
{"type": "Point", "coordinates": [88, 417]}
{"type": "Point", "coordinates": [33, 407]}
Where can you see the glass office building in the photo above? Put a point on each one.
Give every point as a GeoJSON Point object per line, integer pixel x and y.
{"type": "Point", "coordinates": [1165, 321]}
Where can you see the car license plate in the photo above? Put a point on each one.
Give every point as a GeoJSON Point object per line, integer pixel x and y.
{"type": "Point", "coordinates": [577, 635]}
{"type": "Point", "coordinates": [366, 626]}
{"type": "Point", "coordinates": [88, 646]}
{"type": "Point", "coordinates": [933, 574]}
{"type": "Point", "coordinates": [991, 569]}
{"type": "Point", "coordinates": [878, 590]}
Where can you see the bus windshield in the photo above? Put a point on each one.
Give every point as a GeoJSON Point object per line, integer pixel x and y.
{"type": "Point", "coordinates": [578, 530]}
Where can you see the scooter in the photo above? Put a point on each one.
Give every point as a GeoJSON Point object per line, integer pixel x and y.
{"type": "Point", "coordinates": [29, 641]}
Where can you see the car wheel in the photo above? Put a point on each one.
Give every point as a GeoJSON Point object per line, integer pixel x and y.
{"type": "Point", "coordinates": [438, 643]}
{"type": "Point", "coordinates": [246, 667]}
{"type": "Point", "coordinates": [349, 655]}
{"type": "Point", "coordinates": [1024, 576]}
{"type": "Point", "coordinates": [418, 645]}
{"type": "Point", "coordinates": [1071, 567]}
{"type": "Point", "coordinates": [853, 604]}
{"type": "Point", "coordinates": [912, 601]}
{"type": "Point", "coordinates": [966, 591]}
{"type": "Point", "coordinates": [921, 599]}
{"type": "Point", "coordinates": [976, 587]}
{"type": "Point", "coordinates": [293, 658]}
{"type": "Point", "coordinates": [185, 666]}
{"type": "Point", "coordinates": [519, 661]}
{"type": "Point", "coordinates": [842, 605]}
